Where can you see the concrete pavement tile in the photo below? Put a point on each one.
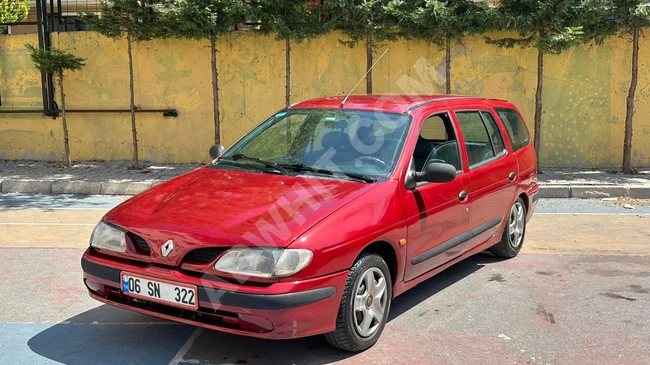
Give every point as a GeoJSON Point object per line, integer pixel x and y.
{"type": "Point", "coordinates": [27, 186]}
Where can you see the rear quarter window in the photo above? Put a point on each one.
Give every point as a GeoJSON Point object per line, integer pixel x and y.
{"type": "Point", "coordinates": [515, 126]}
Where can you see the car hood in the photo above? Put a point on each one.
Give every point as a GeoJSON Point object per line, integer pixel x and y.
{"type": "Point", "coordinates": [212, 207]}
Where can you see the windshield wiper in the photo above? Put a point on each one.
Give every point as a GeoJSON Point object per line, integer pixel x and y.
{"type": "Point", "coordinates": [362, 177]}
{"type": "Point", "coordinates": [241, 156]}
{"type": "Point", "coordinates": [303, 167]}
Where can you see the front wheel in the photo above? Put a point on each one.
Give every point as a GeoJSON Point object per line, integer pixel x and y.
{"type": "Point", "coordinates": [364, 306]}
{"type": "Point", "coordinates": [513, 233]}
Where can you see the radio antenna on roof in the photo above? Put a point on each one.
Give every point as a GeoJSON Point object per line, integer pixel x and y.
{"type": "Point", "coordinates": [367, 72]}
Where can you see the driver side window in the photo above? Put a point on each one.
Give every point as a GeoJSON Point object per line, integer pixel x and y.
{"type": "Point", "coordinates": [437, 142]}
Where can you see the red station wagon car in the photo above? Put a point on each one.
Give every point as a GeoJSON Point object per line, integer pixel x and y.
{"type": "Point", "coordinates": [314, 221]}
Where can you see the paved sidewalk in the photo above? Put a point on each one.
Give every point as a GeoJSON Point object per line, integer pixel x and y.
{"type": "Point", "coordinates": [116, 178]}
{"type": "Point", "coordinates": [85, 177]}
{"type": "Point", "coordinates": [581, 183]}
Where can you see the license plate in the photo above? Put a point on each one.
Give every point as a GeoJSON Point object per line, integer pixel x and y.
{"type": "Point", "coordinates": [160, 291]}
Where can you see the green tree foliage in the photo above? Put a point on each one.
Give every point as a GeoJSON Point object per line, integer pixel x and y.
{"type": "Point", "coordinates": [12, 11]}
{"type": "Point", "coordinates": [56, 62]}
{"type": "Point", "coordinates": [550, 26]}
{"type": "Point", "coordinates": [207, 20]}
{"type": "Point", "coordinates": [360, 18]}
{"type": "Point", "coordinates": [368, 20]}
{"type": "Point", "coordinates": [630, 14]}
{"type": "Point", "coordinates": [137, 20]}
{"type": "Point", "coordinates": [441, 22]}
{"type": "Point", "coordinates": [289, 20]}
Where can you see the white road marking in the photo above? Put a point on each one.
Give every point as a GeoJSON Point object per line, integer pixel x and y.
{"type": "Point", "coordinates": [186, 347]}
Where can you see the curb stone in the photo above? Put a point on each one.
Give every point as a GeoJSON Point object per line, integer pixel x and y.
{"type": "Point", "coordinates": [589, 191]}
{"type": "Point", "coordinates": [554, 192]}
{"type": "Point", "coordinates": [639, 192]}
{"type": "Point", "coordinates": [76, 187]}
{"type": "Point", "coordinates": [27, 186]}
{"type": "Point", "coordinates": [594, 191]}
{"type": "Point", "coordinates": [133, 188]}
{"type": "Point", "coordinates": [124, 188]}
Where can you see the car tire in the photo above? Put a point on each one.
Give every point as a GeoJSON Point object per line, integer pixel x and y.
{"type": "Point", "coordinates": [353, 332]}
{"type": "Point", "coordinates": [513, 233]}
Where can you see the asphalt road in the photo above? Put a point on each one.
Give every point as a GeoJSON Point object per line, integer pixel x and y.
{"type": "Point", "coordinates": [578, 294]}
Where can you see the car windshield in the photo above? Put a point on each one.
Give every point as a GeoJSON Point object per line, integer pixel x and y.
{"type": "Point", "coordinates": [330, 141]}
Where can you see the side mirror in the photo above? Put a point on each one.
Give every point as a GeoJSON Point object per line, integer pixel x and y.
{"type": "Point", "coordinates": [437, 172]}
{"type": "Point", "coordinates": [216, 151]}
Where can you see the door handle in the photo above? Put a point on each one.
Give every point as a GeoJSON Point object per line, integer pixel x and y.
{"type": "Point", "coordinates": [512, 176]}
{"type": "Point", "coordinates": [462, 195]}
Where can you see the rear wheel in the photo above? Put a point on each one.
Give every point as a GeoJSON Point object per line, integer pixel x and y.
{"type": "Point", "coordinates": [364, 306]}
{"type": "Point", "coordinates": [514, 232]}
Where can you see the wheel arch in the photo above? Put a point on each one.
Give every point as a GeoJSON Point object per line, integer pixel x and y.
{"type": "Point", "coordinates": [388, 253]}
{"type": "Point", "coordinates": [526, 200]}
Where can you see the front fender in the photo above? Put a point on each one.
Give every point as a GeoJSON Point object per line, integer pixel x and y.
{"type": "Point", "coordinates": [339, 239]}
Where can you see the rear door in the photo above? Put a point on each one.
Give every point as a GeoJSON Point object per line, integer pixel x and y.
{"type": "Point", "coordinates": [492, 171]}
{"type": "Point", "coordinates": [520, 142]}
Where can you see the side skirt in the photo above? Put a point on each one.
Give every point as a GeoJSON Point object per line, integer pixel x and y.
{"type": "Point", "coordinates": [402, 287]}
{"type": "Point", "coordinates": [460, 239]}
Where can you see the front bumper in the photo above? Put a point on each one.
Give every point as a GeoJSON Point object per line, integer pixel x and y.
{"type": "Point", "coordinates": [279, 311]}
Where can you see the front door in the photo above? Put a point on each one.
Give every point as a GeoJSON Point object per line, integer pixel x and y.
{"type": "Point", "coordinates": [437, 219]}
{"type": "Point", "coordinates": [493, 174]}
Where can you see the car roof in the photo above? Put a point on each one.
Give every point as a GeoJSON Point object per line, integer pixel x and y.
{"type": "Point", "coordinates": [389, 103]}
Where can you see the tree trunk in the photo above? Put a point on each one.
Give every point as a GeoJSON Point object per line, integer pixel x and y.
{"type": "Point", "coordinates": [134, 131]}
{"type": "Point", "coordinates": [215, 90]}
{"type": "Point", "coordinates": [538, 103]}
{"type": "Point", "coordinates": [66, 138]}
{"type": "Point", "coordinates": [627, 143]}
{"type": "Point", "coordinates": [369, 64]}
{"type": "Point", "coordinates": [287, 71]}
{"type": "Point", "coordinates": [448, 65]}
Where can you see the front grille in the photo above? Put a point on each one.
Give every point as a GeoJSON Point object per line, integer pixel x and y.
{"type": "Point", "coordinates": [204, 254]}
{"type": "Point", "coordinates": [142, 244]}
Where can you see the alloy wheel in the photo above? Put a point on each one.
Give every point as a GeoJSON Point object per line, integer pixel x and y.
{"type": "Point", "coordinates": [370, 302]}
{"type": "Point", "coordinates": [516, 223]}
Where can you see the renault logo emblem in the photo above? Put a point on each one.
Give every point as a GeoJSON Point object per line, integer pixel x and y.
{"type": "Point", "coordinates": [167, 248]}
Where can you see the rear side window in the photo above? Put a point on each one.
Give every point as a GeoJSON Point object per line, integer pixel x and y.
{"type": "Point", "coordinates": [515, 127]}
{"type": "Point", "coordinates": [493, 131]}
{"type": "Point", "coordinates": [477, 138]}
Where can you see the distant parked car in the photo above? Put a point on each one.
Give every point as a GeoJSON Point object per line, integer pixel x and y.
{"type": "Point", "coordinates": [315, 220]}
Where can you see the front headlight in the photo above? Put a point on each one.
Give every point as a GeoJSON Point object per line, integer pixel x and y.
{"type": "Point", "coordinates": [263, 262]}
{"type": "Point", "coordinates": [108, 237]}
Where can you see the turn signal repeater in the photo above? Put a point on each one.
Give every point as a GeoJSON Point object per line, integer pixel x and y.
{"type": "Point", "coordinates": [402, 242]}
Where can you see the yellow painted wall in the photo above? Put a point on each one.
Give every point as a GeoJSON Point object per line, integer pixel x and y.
{"type": "Point", "coordinates": [584, 92]}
